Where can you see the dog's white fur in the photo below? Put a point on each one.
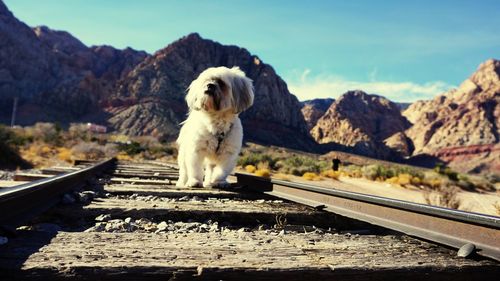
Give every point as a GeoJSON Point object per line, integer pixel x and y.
{"type": "Point", "coordinates": [211, 137]}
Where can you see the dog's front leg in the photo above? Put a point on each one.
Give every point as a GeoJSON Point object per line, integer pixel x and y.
{"type": "Point", "coordinates": [181, 182]}
{"type": "Point", "coordinates": [225, 165]}
{"type": "Point", "coordinates": [194, 168]}
{"type": "Point", "coordinates": [207, 181]}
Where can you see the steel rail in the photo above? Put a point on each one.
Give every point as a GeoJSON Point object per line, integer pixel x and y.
{"type": "Point", "coordinates": [445, 226]}
{"type": "Point", "coordinates": [22, 202]}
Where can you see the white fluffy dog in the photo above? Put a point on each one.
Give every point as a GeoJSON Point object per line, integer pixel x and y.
{"type": "Point", "coordinates": [210, 138]}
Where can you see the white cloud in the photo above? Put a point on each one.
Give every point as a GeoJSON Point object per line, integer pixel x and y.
{"type": "Point", "coordinates": [332, 86]}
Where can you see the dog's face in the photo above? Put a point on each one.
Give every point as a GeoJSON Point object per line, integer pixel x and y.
{"type": "Point", "coordinates": [220, 89]}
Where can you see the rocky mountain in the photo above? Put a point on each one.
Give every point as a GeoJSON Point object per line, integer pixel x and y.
{"type": "Point", "coordinates": [104, 62]}
{"type": "Point", "coordinates": [454, 125]}
{"type": "Point", "coordinates": [54, 75]}
{"type": "Point", "coordinates": [155, 91]}
{"type": "Point", "coordinates": [22, 55]}
{"type": "Point", "coordinates": [312, 110]}
{"type": "Point", "coordinates": [468, 115]}
{"type": "Point", "coordinates": [57, 78]}
{"type": "Point", "coordinates": [360, 121]}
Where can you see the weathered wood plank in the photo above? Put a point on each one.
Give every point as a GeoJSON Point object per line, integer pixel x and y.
{"type": "Point", "coordinates": [174, 192]}
{"type": "Point", "coordinates": [58, 170]}
{"type": "Point", "coordinates": [145, 176]}
{"type": "Point", "coordinates": [139, 181]}
{"type": "Point", "coordinates": [241, 255]}
{"type": "Point", "coordinates": [10, 183]}
{"type": "Point", "coordinates": [30, 177]}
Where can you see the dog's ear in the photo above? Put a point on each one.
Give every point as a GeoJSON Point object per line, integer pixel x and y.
{"type": "Point", "coordinates": [191, 96]}
{"type": "Point", "coordinates": [242, 88]}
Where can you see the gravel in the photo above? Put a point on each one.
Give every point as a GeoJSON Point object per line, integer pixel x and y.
{"type": "Point", "coordinates": [191, 199]}
{"type": "Point", "coordinates": [145, 225]}
{"type": "Point", "coordinates": [106, 224]}
{"type": "Point", "coordinates": [101, 218]}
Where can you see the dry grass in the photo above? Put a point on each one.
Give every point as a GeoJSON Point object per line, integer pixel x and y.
{"type": "Point", "coordinates": [38, 153]}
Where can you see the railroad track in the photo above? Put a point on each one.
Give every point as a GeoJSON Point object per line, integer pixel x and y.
{"type": "Point", "coordinates": [132, 223]}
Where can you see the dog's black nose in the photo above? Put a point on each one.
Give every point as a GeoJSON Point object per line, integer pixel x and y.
{"type": "Point", "coordinates": [210, 88]}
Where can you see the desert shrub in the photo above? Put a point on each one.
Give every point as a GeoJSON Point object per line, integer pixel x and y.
{"type": "Point", "coordinates": [158, 151]}
{"type": "Point", "coordinates": [496, 206]}
{"type": "Point", "coordinates": [250, 169]}
{"type": "Point", "coordinates": [119, 138]}
{"type": "Point", "coordinates": [131, 148]}
{"type": "Point", "coordinates": [444, 196]}
{"type": "Point", "coordinates": [89, 150]}
{"type": "Point", "coordinates": [465, 184]}
{"type": "Point", "coordinates": [13, 137]}
{"type": "Point", "coordinates": [47, 132]}
{"type": "Point", "coordinates": [447, 171]}
{"type": "Point", "coordinates": [298, 165]}
{"type": "Point", "coordinates": [79, 131]}
{"type": "Point", "coordinates": [263, 165]}
{"type": "Point", "coordinates": [10, 143]}
{"type": "Point", "coordinates": [38, 152]}
{"type": "Point", "coordinates": [381, 173]}
{"type": "Point", "coordinates": [492, 177]}
{"type": "Point", "coordinates": [373, 172]}
{"type": "Point", "coordinates": [256, 158]}
{"type": "Point", "coordinates": [265, 173]}
{"type": "Point", "coordinates": [433, 183]}
{"type": "Point", "coordinates": [351, 171]}
{"type": "Point", "coordinates": [452, 175]}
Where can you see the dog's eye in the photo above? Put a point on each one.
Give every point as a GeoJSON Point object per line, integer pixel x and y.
{"type": "Point", "coordinates": [221, 83]}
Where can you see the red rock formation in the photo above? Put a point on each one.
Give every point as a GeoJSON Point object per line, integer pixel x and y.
{"type": "Point", "coordinates": [360, 121]}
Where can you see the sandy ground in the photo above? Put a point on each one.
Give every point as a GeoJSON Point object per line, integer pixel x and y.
{"type": "Point", "coordinates": [470, 201]}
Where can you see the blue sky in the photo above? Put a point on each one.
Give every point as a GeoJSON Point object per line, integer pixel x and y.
{"type": "Point", "coordinates": [405, 50]}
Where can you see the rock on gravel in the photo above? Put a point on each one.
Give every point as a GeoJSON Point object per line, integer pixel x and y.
{"type": "Point", "coordinates": [105, 217]}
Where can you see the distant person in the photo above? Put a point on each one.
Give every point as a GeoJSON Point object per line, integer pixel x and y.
{"type": "Point", "coordinates": [335, 164]}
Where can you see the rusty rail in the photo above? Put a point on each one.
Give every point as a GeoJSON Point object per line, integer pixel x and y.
{"type": "Point", "coordinates": [21, 202]}
{"type": "Point", "coordinates": [445, 226]}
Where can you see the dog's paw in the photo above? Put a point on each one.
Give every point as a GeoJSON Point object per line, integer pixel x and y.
{"type": "Point", "coordinates": [220, 184]}
{"type": "Point", "coordinates": [193, 183]}
{"type": "Point", "coordinates": [179, 184]}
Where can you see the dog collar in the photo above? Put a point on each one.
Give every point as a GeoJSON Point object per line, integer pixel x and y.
{"type": "Point", "coordinates": [221, 136]}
